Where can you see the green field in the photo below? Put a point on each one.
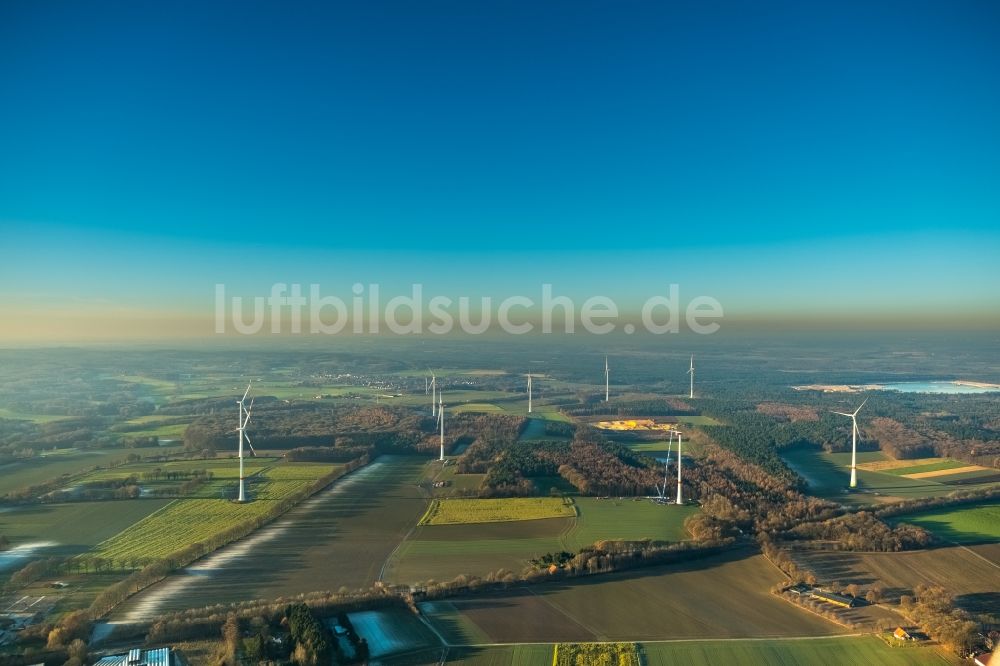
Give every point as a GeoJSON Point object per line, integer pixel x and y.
{"type": "Point", "coordinates": [442, 552]}
{"type": "Point", "coordinates": [505, 655]}
{"type": "Point", "coordinates": [221, 468]}
{"type": "Point", "coordinates": [157, 536]}
{"type": "Point", "coordinates": [830, 651]}
{"type": "Point", "coordinates": [33, 471]}
{"type": "Point", "coordinates": [457, 483]}
{"type": "Point", "coordinates": [699, 420]}
{"type": "Point", "coordinates": [27, 416]}
{"type": "Point", "coordinates": [828, 476]}
{"type": "Point", "coordinates": [464, 511]}
{"type": "Point", "coordinates": [627, 520]}
{"type": "Point", "coordinates": [820, 651]}
{"type": "Point", "coordinates": [224, 471]}
{"type": "Point", "coordinates": [928, 467]}
{"type": "Point", "coordinates": [478, 408]}
{"type": "Point", "coordinates": [72, 528]}
{"type": "Point", "coordinates": [171, 431]}
{"type": "Point", "coordinates": [968, 524]}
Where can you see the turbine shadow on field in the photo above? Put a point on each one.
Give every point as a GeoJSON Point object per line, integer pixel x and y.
{"type": "Point", "coordinates": [981, 602]}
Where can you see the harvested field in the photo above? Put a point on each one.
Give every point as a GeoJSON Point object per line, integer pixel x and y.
{"type": "Point", "coordinates": [723, 596]}
{"type": "Point", "coordinates": [441, 552]}
{"type": "Point", "coordinates": [974, 581]}
{"type": "Point", "coordinates": [339, 537]}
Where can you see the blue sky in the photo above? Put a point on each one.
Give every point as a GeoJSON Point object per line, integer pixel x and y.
{"type": "Point", "coordinates": [787, 157]}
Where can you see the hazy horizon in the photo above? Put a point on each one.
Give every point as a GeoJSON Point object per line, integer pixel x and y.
{"type": "Point", "coordinates": [803, 165]}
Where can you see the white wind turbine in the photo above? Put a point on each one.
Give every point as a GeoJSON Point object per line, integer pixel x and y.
{"type": "Point", "coordinates": [529, 392]}
{"type": "Point", "coordinates": [244, 421]}
{"type": "Point", "coordinates": [680, 496]}
{"type": "Point", "coordinates": [433, 395]}
{"type": "Point", "coordinates": [440, 415]}
{"type": "Point", "coordinates": [691, 372]}
{"type": "Point", "coordinates": [854, 442]}
{"type": "Point", "coordinates": [607, 381]}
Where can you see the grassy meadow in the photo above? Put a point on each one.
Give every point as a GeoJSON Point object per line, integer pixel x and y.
{"type": "Point", "coordinates": [967, 524]}
{"type": "Point", "coordinates": [627, 520]}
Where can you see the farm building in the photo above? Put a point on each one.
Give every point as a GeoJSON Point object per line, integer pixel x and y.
{"type": "Point", "coordinates": [834, 598]}
{"type": "Point", "coordinates": [799, 589]}
{"type": "Point", "coordinates": [902, 634]}
{"type": "Point", "coordinates": [139, 657]}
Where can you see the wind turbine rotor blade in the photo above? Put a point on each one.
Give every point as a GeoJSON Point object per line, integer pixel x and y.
{"type": "Point", "coordinates": [843, 414]}
{"type": "Point", "coordinates": [247, 438]}
{"type": "Point", "coordinates": [859, 407]}
{"type": "Point", "coordinates": [247, 392]}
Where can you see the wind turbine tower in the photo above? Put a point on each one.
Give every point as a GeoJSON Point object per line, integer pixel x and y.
{"type": "Point", "coordinates": [680, 496]}
{"type": "Point", "coordinates": [691, 372]}
{"type": "Point", "coordinates": [244, 420]}
{"type": "Point", "coordinates": [440, 414]}
{"type": "Point", "coordinates": [854, 442]}
{"type": "Point", "coordinates": [607, 381]}
{"type": "Point", "coordinates": [529, 392]}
